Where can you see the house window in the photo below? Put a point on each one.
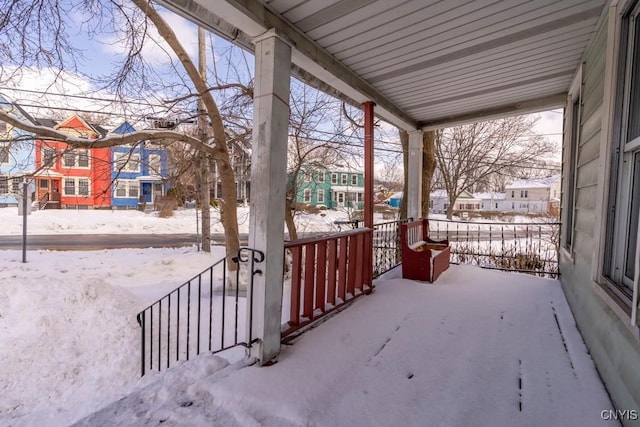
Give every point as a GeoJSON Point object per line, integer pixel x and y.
{"type": "Point", "coordinates": [307, 196]}
{"type": "Point", "coordinates": [513, 205]}
{"type": "Point", "coordinates": [307, 176]}
{"type": "Point", "coordinates": [127, 162]}
{"type": "Point", "coordinates": [496, 206]}
{"type": "Point", "coordinates": [76, 187]}
{"type": "Point", "coordinates": [69, 186]}
{"type": "Point", "coordinates": [624, 201]}
{"type": "Point", "coordinates": [69, 159]}
{"type": "Point", "coordinates": [44, 184]}
{"type": "Point", "coordinates": [48, 157]}
{"type": "Point", "coordinates": [571, 174]}
{"type": "Point", "coordinates": [513, 194]}
{"type": "Point", "coordinates": [4, 153]}
{"type": "Point", "coordinates": [334, 178]}
{"type": "Point", "coordinates": [83, 187]}
{"type": "Point", "coordinates": [127, 188]}
{"type": "Point", "coordinates": [524, 194]}
{"type": "Point", "coordinates": [321, 177]}
{"type": "Point", "coordinates": [354, 179]}
{"type": "Point", "coordinates": [155, 164]}
{"type": "Point", "coordinates": [4, 185]}
{"type": "Point", "coordinates": [16, 184]}
{"type": "Point", "coordinates": [360, 197]}
{"type": "Point", "coordinates": [345, 177]}
{"type": "Point", "coordinates": [320, 196]}
{"type": "Point", "coordinates": [83, 159]}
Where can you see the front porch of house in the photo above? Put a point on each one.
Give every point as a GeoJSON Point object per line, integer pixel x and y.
{"type": "Point", "coordinates": [478, 347]}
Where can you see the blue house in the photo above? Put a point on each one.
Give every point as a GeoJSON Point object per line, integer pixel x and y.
{"type": "Point", "coordinates": [138, 172]}
{"type": "Point", "coordinates": [17, 156]}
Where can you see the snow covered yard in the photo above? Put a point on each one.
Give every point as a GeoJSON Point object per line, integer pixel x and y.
{"type": "Point", "coordinates": [63, 221]}
{"type": "Point", "coordinates": [477, 348]}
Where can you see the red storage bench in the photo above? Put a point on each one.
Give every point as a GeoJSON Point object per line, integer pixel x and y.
{"type": "Point", "coordinates": [422, 258]}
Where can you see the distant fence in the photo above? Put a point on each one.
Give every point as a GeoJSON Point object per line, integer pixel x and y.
{"type": "Point", "coordinates": [523, 247]}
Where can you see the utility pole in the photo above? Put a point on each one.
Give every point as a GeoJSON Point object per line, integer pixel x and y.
{"type": "Point", "coordinates": [204, 162]}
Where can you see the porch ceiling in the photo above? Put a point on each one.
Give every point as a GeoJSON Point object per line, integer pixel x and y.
{"type": "Point", "coordinates": [426, 63]}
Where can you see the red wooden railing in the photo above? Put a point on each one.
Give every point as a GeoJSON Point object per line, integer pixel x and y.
{"type": "Point", "coordinates": [326, 273]}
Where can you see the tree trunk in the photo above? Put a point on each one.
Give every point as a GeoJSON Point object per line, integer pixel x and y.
{"type": "Point", "coordinates": [404, 141]}
{"type": "Point", "coordinates": [221, 152]}
{"type": "Point", "coordinates": [450, 209]}
{"type": "Point", "coordinates": [288, 219]}
{"type": "Point", "coordinates": [428, 168]}
{"type": "Point", "coordinates": [203, 161]}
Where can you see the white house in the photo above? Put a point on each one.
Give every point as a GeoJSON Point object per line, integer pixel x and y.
{"type": "Point", "coordinates": [493, 202]}
{"type": "Point", "coordinates": [532, 195]}
{"type": "Point", "coordinates": [466, 202]}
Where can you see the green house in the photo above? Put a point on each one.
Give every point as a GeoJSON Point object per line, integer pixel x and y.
{"type": "Point", "coordinates": [330, 187]}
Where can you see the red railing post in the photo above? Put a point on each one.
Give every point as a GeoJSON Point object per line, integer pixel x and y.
{"type": "Point", "coordinates": [342, 267]}
{"type": "Point", "coordinates": [309, 276]}
{"type": "Point", "coordinates": [331, 279]}
{"type": "Point", "coordinates": [321, 276]}
{"type": "Point", "coordinates": [296, 275]}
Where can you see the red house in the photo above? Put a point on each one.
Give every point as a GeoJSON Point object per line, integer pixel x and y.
{"type": "Point", "coordinates": [72, 178]}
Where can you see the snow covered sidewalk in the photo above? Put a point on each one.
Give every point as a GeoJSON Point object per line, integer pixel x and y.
{"type": "Point", "coordinates": [477, 348]}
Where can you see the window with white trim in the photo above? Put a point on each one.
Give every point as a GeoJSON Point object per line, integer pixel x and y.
{"type": "Point", "coordinates": [624, 194]}
{"type": "Point", "coordinates": [307, 176]}
{"type": "Point", "coordinates": [321, 176]}
{"type": "Point", "coordinates": [76, 187]}
{"type": "Point", "coordinates": [307, 196]}
{"type": "Point", "coordinates": [126, 188]}
{"type": "Point", "coordinates": [48, 157]}
{"type": "Point", "coordinates": [334, 178]}
{"type": "Point", "coordinates": [69, 159]}
{"type": "Point", "coordinates": [155, 164]}
{"type": "Point", "coordinates": [16, 185]}
{"type": "Point", "coordinates": [126, 162]}
{"type": "Point", "coordinates": [320, 196]}
{"type": "Point", "coordinates": [354, 179]}
{"type": "Point", "coordinates": [345, 178]}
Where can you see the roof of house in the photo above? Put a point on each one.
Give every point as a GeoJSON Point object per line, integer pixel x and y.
{"type": "Point", "coordinates": [545, 182]}
{"type": "Point", "coordinates": [490, 196]}
{"type": "Point", "coordinates": [125, 127]}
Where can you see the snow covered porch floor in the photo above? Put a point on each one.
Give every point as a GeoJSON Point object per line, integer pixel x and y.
{"type": "Point", "coordinates": [477, 348]}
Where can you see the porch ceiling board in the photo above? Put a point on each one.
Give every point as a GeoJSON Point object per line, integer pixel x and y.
{"type": "Point", "coordinates": [427, 62]}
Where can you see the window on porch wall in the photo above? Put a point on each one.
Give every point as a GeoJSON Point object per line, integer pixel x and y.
{"type": "Point", "coordinates": [624, 203]}
{"type": "Point", "coordinates": [4, 185]}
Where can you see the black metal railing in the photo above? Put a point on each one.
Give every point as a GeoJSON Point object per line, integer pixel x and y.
{"type": "Point", "coordinates": [522, 247]}
{"type": "Point", "coordinates": [203, 314]}
{"type": "Point", "coordinates": [387, 252]}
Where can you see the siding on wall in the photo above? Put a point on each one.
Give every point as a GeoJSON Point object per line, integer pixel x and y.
{"type": "Point", "coordinates": [614, 349]}
{"type": "Point", "coordinates": [588, 151]}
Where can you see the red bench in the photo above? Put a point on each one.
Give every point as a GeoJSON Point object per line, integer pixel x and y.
{"type": "Point", "coordinates": [422, 258]}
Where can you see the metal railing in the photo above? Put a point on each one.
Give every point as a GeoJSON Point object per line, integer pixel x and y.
{"type": "Point", "coordinates": [326, 273]}
{"type": "Point", "coordinates": [387, 252]}
{"type": "Point", "coordinates": [523, 247]}
{"type": "Point", "coordinates": [203, 314]}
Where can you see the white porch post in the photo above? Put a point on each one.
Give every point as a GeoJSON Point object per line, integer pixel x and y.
{"type": "Point", "coordinates": [268, 182]}
{"type": "Point", "coordinates": [414, 175]}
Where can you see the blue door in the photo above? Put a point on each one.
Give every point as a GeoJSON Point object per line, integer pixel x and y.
{"type": "Point", "coordinates": [146, 191]}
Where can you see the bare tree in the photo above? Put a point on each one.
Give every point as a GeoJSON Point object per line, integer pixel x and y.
{"type": "Point", "coordinates": [43, 32]}
{"type": "Point", "coordinates": [316, 132]}
{"type": "Point", "coordinates": [471, 154]}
